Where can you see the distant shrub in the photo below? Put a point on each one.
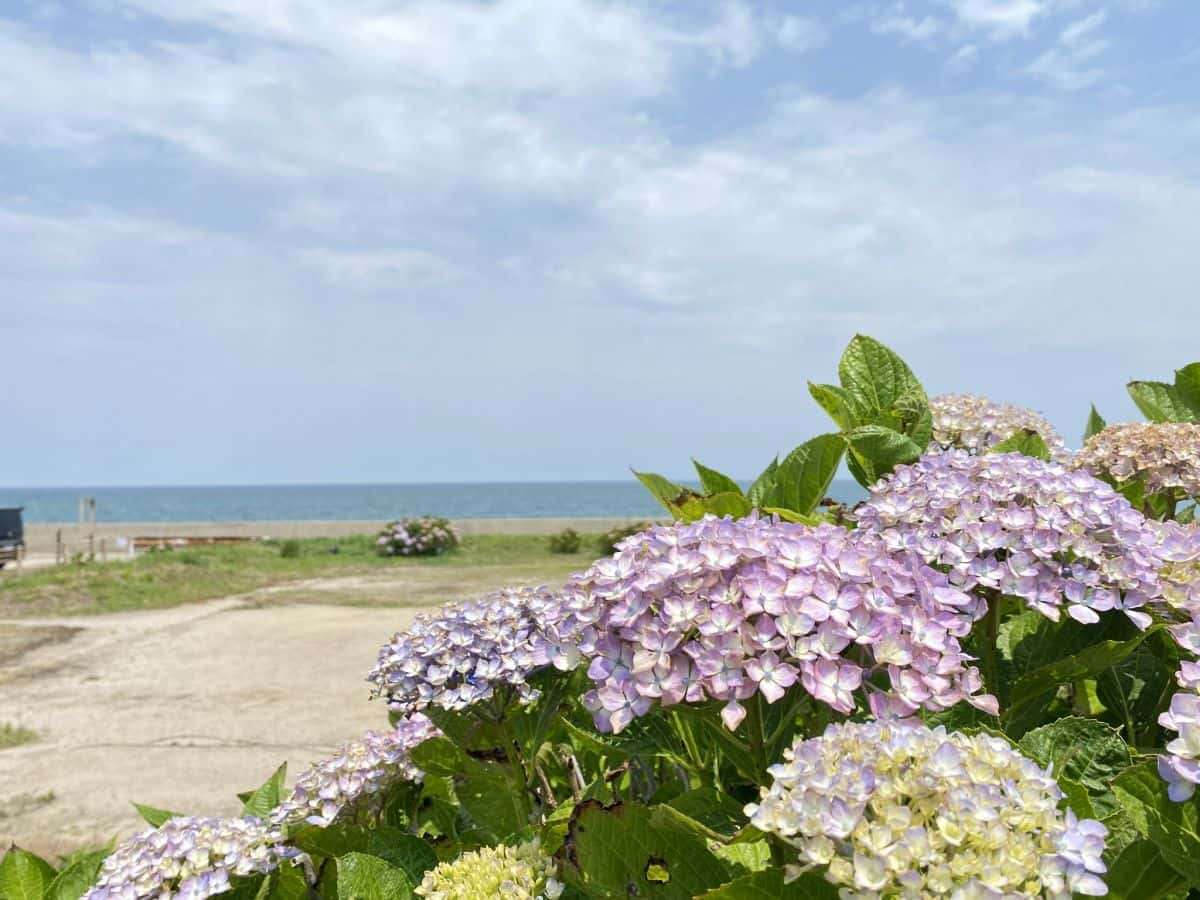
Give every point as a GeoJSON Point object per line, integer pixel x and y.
{"type": "Point", "coordinates": [289, 549]}
{"type": "Point", "coordinates": [427, 536]}
{"type": "Point", "coordinates": [566, 541]}
{"type": "Point", "coordinates": [607, 543]}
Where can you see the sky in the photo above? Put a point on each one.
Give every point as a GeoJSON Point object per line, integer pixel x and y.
{"type": "Point", "coordinates": [277, 241]}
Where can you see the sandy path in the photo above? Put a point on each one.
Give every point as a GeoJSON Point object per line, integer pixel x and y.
{"type": "Point", "coordinates": [177, 708]}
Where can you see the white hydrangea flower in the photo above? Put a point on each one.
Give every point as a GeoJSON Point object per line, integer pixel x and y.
{"type": "Point", "coordinates": [1165, 454]}
{"type": "Point", "coordinates": [522, 872]}
{"type": "Point", "coordinates": [896, 809]}
{"type": "Point", "coordinates": [976, 424]}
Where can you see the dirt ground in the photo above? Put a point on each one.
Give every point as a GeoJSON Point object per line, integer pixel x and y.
{"type": "Point", "coordinates": [183, 707]}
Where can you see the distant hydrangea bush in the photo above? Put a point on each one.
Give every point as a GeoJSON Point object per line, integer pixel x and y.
{"type": "Point", "coordinates": [463, 653]}
{"type": "Point", "coordinates": [1164, 455]}
{"type": "Point", "coordinates": [190, 858]}
{"type": "Point", "coordinates": [522, 872]}
{"type": "Point", "coordinates": [428, 536]}
{"type": "Point", "coordinates": [1062, 540]}
{"type": "Point", "coordinates": [897, 809]}
{"type": "Point", "coordinates": [976, 424]}
{"type": "Point", "coordinates": [722, 610]}
{"type": "Point", "coordinates": [354, 777]}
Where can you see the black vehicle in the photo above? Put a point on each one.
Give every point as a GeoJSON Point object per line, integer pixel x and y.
{"type": "Point", "coordinates": [12, 535]}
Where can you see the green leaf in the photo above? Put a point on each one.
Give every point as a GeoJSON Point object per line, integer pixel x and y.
{"type": "Point", "coordinates": [1187, 388]}
{"type": "Point", "coordinates": [363, 877]}
{"type": "Point", "coordinates": [878, 450]}
{"type": "Point", "coordinates": [76, 877]}
{"type": "Point", "coordinates": [491, 793]}
{"type": "Point", "coordinates": [875, 376]}
{"type": "Point", "coordinates": [790, 515]}
{"type": "Point", "coordinates": [611, 851]}
{"type": "Point", "coordinates": [24, 876]}
{"type": "Point", "coordinates": [1025, 441]}
{"type": "Point", "coordinates": [714, 482]}
{"type": "Point", "coordinates": [1033, 688]}
{"type": "Point", "coordinates": [837, 402]}
{"type": "Point", "coordinates": [1159, 402]}
{"type": "Point", "coordinates": [729, 503]}
{"type": "Point", "coordinates": [805, 474]}
{"type": "Point", "coordinates": [769, 884]}
{"type": "Point", "coordinates": [265, 798]}
{"type": "Point", "coordinates": [1085, 751]}
{"type": "Point", "coordinates": [1140, 873]}
{"type": "Point", "coordinates": [1095, 424]}
{"type": "Point", "coordinates": [705, 812]}
{"type": "Point", "coordinates": [1135, 692]}
{"type": "Point", "coordinates": [405, 851]}
{"type": "Point", "coordinates": [668, 493]}
{"type": "Point", "coordinates": [1173, 827]}
{"type": "Point", "coordinates": [762, 484]}
{"type": "Point", "coordinates": [155, 816]}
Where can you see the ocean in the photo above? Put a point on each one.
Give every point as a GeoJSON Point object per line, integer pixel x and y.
{"type": "Point", "coordinates": [334, 502]}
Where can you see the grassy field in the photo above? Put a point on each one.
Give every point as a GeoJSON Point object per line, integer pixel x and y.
{"type": "Point", "coordinates": [14, 735]}
{"type": "Point", "coordinates": [342, 570]}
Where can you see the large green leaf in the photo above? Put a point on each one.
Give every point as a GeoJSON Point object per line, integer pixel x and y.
{"type": "Point", "coordinates": [406, 851]}
{"type": "Point", "coordinates": [617, 852]}
{"type": "Point", "coordinates": [266, 797]}
{"type": "Point", "coordinates": [705, 812]}
{"type": "Point", "coordinates": [714, 482]}
{"type": "Point", "coordinates": [801, 480]}
{"type": "Point", "coordinates": [363, 877]}
{"type": "Point", "coordinates": [875, 376]}
{"type": "Point", "coordinates": [154, 815]}
{"type": "Point", "coordinates": [1025, 441]}
{"type": "Point", "coordinates": [1187, 388]}
{"type": "Point", "coordinates": [877, 450]}
{"type": "Point", "coordinates": [769, 884]}
{"type": "Point", "coordinates": [73, 881]}
{"type": "Point", "coordinates": [668, 493]}
{"type": "Point", "coordinates": [1137, 691]}
{"type": "Point", "coordinates": [729, 503]}
{"type": "Point", "coordinates": [837, 402]}
{"type": "Point", "coordinates": [1173, 827]}
{"type": "Point", "coordinates": [1086, 751]}
{"type": "Point", "coordinates": [762, 484]}
{"type": "Point", "coordinates": [493, 794]}
{"type": "Point", "coordinates": [24, 876]}
{"type": "Point", "coordinates": [1141, 873]}
{"type": "Point", "coordinates": [1095, 424]}
{"type": "Point", "coordinates": [1159, 402]}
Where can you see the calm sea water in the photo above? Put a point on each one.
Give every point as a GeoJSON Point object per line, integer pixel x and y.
{"type": "Point", "coordinates": [247, 503]}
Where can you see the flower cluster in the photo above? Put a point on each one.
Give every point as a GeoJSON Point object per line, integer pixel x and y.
{"type": "Point", "coordinates": [1165, 454]}
{"type": "Point", "coordinates": [190, 859]}
{"type": "Point", "coordinates": [460, 654]}
{"type": "Point", "coordinates": [976, 424]}
{"type": "Point", "coordinates": [894, 808]}
{"type": "Point", "coordinates": [723, 609]}
{"type": "Point", "coordinates": [1032, 529]}
{"type": "Point", "coordinates": [428, 536]}
{"type": "Point", "coordinates": [523, 872]}
{"type": "Point", "coordinates": [356, 775]}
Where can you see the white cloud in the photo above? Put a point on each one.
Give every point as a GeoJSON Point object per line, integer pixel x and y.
{"type": "Point", "coordinates": [963, 59]}
{"type": "Point", "coordinates": [1000, 19]}
{"type": "Point", "coordinates": [895, 21]}
{"type": "Point", "coordinates": [396, 270]}
{"type": "Point", "coordinates": [1068, 65]}
{"type": "Point", "coordinates": [799, 34]}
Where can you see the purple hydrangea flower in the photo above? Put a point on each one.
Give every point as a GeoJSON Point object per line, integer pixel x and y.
{"type": "Point", "coordinates": [190, 858]}
{"type": "Point", "coordinates": [417, 537]}
{"type": "Point", "coordinates": [723, 609]}
{"type": "Point", "coordinates": [1059, 539]}
{"type": "Point", "coordinates": [353, 778]}
{"type": "Point", "coordinates": [462, 653]}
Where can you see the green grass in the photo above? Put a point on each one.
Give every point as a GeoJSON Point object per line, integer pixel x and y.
{"type": "Point", "coordinates": [171, 577]}
{"type": "Point", "coordinates": [15, 736]}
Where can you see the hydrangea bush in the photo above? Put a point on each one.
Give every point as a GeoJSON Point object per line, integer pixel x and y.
{"type": "Point", "coordinates": [427, 536]}
{"type": "Point", "coordinates": [983, 681]}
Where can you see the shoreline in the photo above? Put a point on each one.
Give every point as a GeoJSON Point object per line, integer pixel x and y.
{"type": "Point", "coordinates": [40, 536]}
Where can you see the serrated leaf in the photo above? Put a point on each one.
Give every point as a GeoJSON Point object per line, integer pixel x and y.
{"type": "Point", "coordinates": [762, 484]}
{"type": "Point", "coordinates": [666, 492]}
{"type": "Point", "coordinates": [1159, 402]}
{"type": "Point", "coordinates": [1173, 827]}
{"type": "Point", "coordinates": [1025, 441]}
{"type": "Point", "coordinates": [610, 852]}
{"type": "Point", "coordinates": [1141, 873]}
{"type": "Point", "coordinates": [729, 503]}
{"type": "Point", "coordinates": [1086, 751]}
{"type": "Point", "coordinates": [267, 796]}
{"type": "Point", "coordinates": [804, 475]}
{"type": "Point", "coordinates": [363, 877]}
{"type": "Point", "coordinates": [877, 450]}
{"type": "Point", "coordinates": [73, 881]}
{"type": "Point", "coordinates": [1187, 388]}
{"type": "Point", "coordinates": [769, 884]}
{"type": "Point", "coordinates": [24, 875]}
{"type": "Point", "coordinates": [406, 851]}
{"type": "Point", "coordinates": [715, 482]}
{"type": "Point", "coordinates": [1095, 424]}
{"type": "Point", "coordinates": [836, 402]}
{"type": "Point", "coordinates": [154, 815]}
{"type": "Point", "coordinates": [874, 375]}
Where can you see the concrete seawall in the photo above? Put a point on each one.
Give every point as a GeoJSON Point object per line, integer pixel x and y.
{"type": "Point", "coordinates": [40, 536]}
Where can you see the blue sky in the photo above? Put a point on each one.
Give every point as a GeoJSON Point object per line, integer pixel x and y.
{"type": "Point", "coordinates": [375, 240]}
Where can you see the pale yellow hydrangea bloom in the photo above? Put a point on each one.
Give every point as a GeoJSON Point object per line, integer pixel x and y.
{"type": "Point", "coordinates": [1165, 454]}
{"type": "Point", "coordinates": [523, 872]}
